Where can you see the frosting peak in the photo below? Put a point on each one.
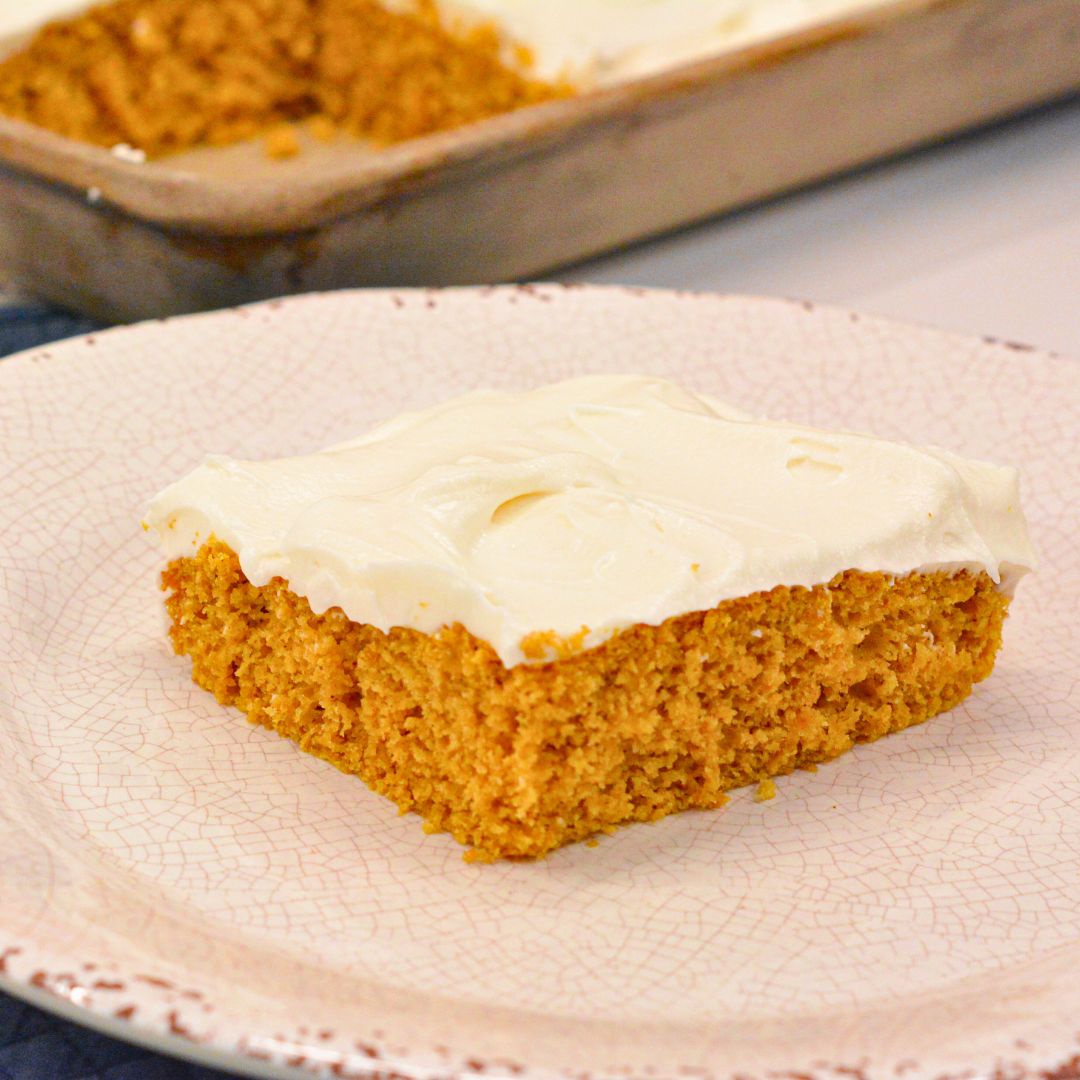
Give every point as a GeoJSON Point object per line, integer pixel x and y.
{"type": "Point", "coordinates": [587, 506]}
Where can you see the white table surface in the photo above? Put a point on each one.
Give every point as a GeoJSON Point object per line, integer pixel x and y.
{"type": "Point", "coordinates": [979, 235]}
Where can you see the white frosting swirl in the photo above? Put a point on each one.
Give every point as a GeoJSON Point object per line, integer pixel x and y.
{"type": "Point", "coordinates": [599, 502]}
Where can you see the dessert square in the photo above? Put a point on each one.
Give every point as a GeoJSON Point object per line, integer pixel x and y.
{"type": "Point", "coordinates": [531, 618]}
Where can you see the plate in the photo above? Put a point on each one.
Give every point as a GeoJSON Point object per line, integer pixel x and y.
{"type": "Point", "coordinates": [176, 876]}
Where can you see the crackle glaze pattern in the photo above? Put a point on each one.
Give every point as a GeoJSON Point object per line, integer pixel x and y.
{"type": "Point", "coordinates": [911, 910]}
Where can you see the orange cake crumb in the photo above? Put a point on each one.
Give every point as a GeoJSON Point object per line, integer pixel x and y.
{"type": "Point", "coordinates": [514, 762]}
{"type": "Point", "coordinates": [766, 790]}
{"type": "Point", "coordinates": [322, 128]}
{"type": "Point", "coordinates": [282, 142]}
{"type": "Point", "coordinates": [165, 75]}
{"type": "Point", "coordinates": [547, 645]}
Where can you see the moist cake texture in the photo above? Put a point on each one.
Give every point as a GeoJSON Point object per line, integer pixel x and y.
{"type": "Point", "coordinates": [168, 75]}
{"type": "Point", "coordinates": [518, 761]}
{"type": "Point", "coordinates": [530, 618]}
{"type": "Point", "coordinates": [165, 75]}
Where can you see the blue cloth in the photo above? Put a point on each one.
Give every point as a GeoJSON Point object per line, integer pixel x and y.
{"type": "Point", "coordinates": [24, 326]}
{"type": "Point", "coordinates": [38, 1046]}
{"type": "Point", "coordinates": [35, 1045]}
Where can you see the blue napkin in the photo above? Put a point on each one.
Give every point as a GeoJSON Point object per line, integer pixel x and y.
{"type": "Point", "coordinates": [35, 1045]}
{"type": "Point", "coordinates": [24, 326]}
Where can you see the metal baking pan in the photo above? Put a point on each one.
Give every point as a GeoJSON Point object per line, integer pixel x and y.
{"type": "Point", "coordinates": [517, 195]}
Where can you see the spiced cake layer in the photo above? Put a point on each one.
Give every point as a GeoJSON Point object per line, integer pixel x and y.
{"type": "Point", "coordinates": [518, 761]}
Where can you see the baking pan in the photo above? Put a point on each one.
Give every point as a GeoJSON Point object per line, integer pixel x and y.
{"type": "Point", "coordinates": [519, 194]}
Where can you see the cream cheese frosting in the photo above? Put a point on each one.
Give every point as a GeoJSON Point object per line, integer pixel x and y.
{"type": "Point", "coordinates": [21, 16]}
{"type": "Point", "coordinates": [587, 506]}
{"type": "Point", "coordinates": [604, 41]}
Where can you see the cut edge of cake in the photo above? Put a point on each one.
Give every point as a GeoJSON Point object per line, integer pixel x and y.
{"type": "Point", "coordinates": [517, 761]}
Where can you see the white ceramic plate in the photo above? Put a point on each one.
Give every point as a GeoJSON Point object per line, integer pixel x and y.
{"type": "Point", "coordinates": [172, 873]}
